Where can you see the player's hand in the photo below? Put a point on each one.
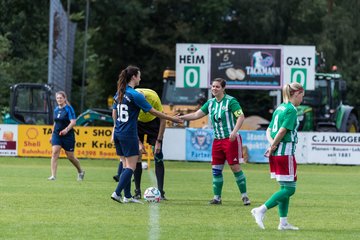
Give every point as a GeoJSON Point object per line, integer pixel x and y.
{"type": "Point", "coordinates": [177, 119]}
{"type": "Point", "coordinates": [270, 151]}
{"type": "Point", "coordinates": [63, 132]}
{"type": "Point", "coordinates": [157, 147]}
{"type": "Point", "coordinates": [142, 148]}
{"type": "Point", "coordinates": [232, 136]}
{"type": "Point", "coordinates": [267, 153]}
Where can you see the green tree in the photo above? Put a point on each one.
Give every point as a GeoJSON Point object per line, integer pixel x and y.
{"type": "Point", "coordinates": [145, 33]}
{"type": "Point", "coordinates": [23, 28]}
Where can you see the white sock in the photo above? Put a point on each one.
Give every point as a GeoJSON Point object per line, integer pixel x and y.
{"type": "Point", "coordinates": [283, 220]}
{"type": "Point", "coordinates": [244, 195]}
{"type": "Point", "coordinates": [262, 208]}
{"type": "Point", "coordinates": [217, 197]}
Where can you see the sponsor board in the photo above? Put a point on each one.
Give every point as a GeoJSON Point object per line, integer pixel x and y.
{"type": "Point", "coordinates": [247, 66]}
{"type": "Point", "coordinates": [332, 148]}
{"type": "Point", "coordinates": [198, 144]}
{"type": "Point", "coordinates": [91, 142]}
{"type": "Point", "coordinates": [256, 143]}
{"type": "Point", "coordinates": [8, 140]}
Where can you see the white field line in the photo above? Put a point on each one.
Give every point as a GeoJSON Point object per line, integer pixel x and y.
{"type": "Point", "coordinates": [154, 226]}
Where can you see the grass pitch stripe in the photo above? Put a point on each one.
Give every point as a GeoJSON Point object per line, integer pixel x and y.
{"type": "Point", "coordinates": [154, 226]}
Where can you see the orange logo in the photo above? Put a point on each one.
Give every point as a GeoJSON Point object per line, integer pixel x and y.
{"type": "Point", "coordinates": [32, 133]}
{"type": "Point", "coordinates": [8, 136]}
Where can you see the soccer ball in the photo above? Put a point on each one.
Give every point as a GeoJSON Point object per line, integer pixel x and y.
{"type": "Point", "coordinates": [144, 165]}
{"type": "Point", "coordinates": [152, 195]}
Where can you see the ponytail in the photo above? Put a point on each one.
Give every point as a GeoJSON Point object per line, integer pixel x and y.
{"type": "Point", "coordinates": [124, 78]}
{"type": "Point", "coordinates": [289, 90]}
{"type": "Point", "coordinates": [121, 86]}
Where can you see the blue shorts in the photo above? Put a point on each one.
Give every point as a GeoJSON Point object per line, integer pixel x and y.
{"type": "Point", "coordinates": [67, 142]}
{"type": "Point", "coordinates": [126, 146]}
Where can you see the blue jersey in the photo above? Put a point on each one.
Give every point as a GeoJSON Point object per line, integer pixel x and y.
{"type": "Point", "coordinates": [128, 111]}
{"type": "Point", "coordinates": [62, 117]}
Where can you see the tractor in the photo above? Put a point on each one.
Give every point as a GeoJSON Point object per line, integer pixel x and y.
{"type": "Point", "coordinates": [33, 103]}
{"type": "Point", "coordinates": [323, 109]}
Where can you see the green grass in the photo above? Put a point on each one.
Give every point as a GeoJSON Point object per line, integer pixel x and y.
{"type": "Point", "coordinates": [325, 206]}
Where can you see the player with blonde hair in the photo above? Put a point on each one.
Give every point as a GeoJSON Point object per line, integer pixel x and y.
{"type": "Point", "coordinates": [282, 136]}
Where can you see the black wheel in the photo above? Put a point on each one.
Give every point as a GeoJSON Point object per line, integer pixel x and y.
{"type": "Point", "coordinates": [352, 124]}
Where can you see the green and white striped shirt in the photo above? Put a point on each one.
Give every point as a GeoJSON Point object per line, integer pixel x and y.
{"type": "Point", "coordinates": [285, 116]}
{"type": "Point", "coordinates": [223, 115]}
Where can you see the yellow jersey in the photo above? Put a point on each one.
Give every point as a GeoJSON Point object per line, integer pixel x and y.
{"type": "Point", "coordinates": [153, 98]}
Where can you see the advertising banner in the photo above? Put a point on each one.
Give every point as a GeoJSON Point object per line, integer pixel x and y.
{"type": "Point", "coordinates": [333, 148]}
{"type": "Point", "coordinates": [198, 144]}
{"type": "Point", "coordinates": [8, 140]}
{"type": "Point", "coordinates": [192, 63]}
{"type": "Point", "coordinates": [247, 66]}
{"type": "Point", "coordinates": [256, 143]}
{"type": "Point", "coordinates": [191, 144]}
{"type": "Point", "coordinates": [91, 142]}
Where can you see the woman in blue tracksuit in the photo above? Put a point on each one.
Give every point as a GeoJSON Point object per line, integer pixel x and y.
{"type": "Point", "coordinates": [128, 105]}
{"type": "Point", "coordinates": [63, 135]}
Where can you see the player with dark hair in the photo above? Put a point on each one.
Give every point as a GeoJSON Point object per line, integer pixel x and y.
{"type": "Point", "coordinates": [129, 102]}
{"type": "Point", "coordinates": [154, 128]}
{"type": "Point", "coordinates": [226, 118]}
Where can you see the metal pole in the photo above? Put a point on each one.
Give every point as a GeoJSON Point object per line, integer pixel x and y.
{"type": "Point", "coordinates": [85, 56]}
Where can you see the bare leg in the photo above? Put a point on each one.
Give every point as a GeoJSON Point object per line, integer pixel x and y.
{"type": "Point", "coordinates": [74, 160]}
{"type": "Point", "coordinates": [54, 158]}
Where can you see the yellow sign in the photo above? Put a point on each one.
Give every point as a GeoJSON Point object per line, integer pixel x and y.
{"type": "Point", "coordinates": [91, 142]}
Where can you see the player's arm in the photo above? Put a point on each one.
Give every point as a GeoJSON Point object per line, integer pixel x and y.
{"type": "Point", "coordinates": [113, 115]}
{"type": "Point", "coordinates": [237, 111]}
{"type": "Point", "coordinates": [72, 118]}
{"type": "Point", "coordinates": [53, 128]}
{"type": "Point", "coordinates": [268, 136]}
{"type": "Point", "coordinates": [161, 115]}
{"type": "Point", "coordinates": [160, 136]}
{"type": "Point", "coordinates": [68, 127]}
{"type": "Point", "coordinates": [193, 116]}
{"type": "Point", "coordinates": [239, 123]}
{"type": "Point", "coordinates": [280, 135]}
{"type": "Point", "coordinates": [161, 129]}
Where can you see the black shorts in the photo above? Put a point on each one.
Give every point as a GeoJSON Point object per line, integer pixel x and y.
{"type": "Point", "coordinates": [151, 129]}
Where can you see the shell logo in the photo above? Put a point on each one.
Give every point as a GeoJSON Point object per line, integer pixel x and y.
{"type": "Point", "coordinates": [32, 133]}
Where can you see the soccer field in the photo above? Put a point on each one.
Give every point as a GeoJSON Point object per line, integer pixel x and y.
{"type": "Point", "coordinates": [325, 206]}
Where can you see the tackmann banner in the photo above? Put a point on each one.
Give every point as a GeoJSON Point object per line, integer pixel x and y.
{"type": "Point", "coordinates": [247, 66]}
